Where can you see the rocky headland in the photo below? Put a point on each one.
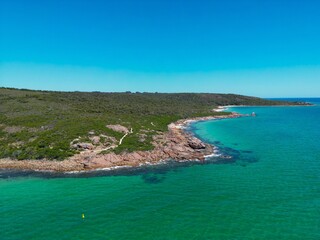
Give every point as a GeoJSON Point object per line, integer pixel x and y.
{"type": "Point", "coordinates": [175, 144]}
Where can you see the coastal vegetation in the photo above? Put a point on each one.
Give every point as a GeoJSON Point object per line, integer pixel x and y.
{"type": "Point", "coordinates": [50, 125]}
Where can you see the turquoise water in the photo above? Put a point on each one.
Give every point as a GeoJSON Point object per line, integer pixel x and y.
{"type": "Point", "coordinates": [269, 189]}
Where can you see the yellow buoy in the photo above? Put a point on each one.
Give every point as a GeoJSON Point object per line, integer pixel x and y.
{"type": "Point", "coordinates": [82, 215]}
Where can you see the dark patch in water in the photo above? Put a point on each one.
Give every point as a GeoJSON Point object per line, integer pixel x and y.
{"type": "Point", "coordinates": [229, 155]}
{"type": "Point", "coordinates": [246, 151]}
{"type": "Point", "coordinates": [153, 178]}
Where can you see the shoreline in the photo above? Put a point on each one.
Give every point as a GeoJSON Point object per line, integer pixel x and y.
{"type": "Point", "coordinates": [176, 144]}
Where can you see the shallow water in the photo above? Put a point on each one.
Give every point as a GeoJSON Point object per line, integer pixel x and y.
{"type": "Point", "coordinates": [269, 189]}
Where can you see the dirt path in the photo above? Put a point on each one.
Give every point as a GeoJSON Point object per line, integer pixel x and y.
{"type": "Point", "coordinates": [111, 147]}
{"type": "Point", "coordinates": [131, 131]}
{"type": "Point", "coordinates": [120, 142]}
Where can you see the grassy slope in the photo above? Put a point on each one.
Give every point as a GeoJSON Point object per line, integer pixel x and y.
{"type": "Point", "coordinates": [39, 124]}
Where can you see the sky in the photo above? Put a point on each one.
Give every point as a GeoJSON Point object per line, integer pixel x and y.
{"type": "Point", "coordinates": [251, 47]}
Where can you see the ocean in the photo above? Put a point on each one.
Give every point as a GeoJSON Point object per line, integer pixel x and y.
{"type": "Point", "coordinates": [264, 183]}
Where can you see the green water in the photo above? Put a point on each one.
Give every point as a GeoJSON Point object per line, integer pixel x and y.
{"type": "Point", "coordinates": [270, 189]}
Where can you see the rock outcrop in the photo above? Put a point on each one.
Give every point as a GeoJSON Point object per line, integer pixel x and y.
{"type": "Point", "coordinates": [95, 140]}
{"type": "Point", "coordinates": [82, 146]}
{"type": "Point", "coordinates": [176, 144]}
{"type": "Point", "coordinates": [196, 144]}
{"type": "Point", "coordinates": [118, 128]}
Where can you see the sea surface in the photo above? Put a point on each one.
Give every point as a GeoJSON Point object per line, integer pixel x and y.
{"type": "Point", "coordinates": [265, 184]}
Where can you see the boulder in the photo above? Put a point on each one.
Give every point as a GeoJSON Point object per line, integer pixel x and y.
{"type": "Point", "coordinates": [82, 146]}
{"type": "Point", "coordinates": [95, 140]}
{"type": "Point", "coordinates": [196, 143]}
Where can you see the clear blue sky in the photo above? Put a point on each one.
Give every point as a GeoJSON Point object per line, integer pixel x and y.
{"type": "Point", "coordinates": [253, 47]}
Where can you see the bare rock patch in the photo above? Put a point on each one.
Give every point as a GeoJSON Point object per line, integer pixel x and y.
{"type": "Point", "coordinates": [118, 128]}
